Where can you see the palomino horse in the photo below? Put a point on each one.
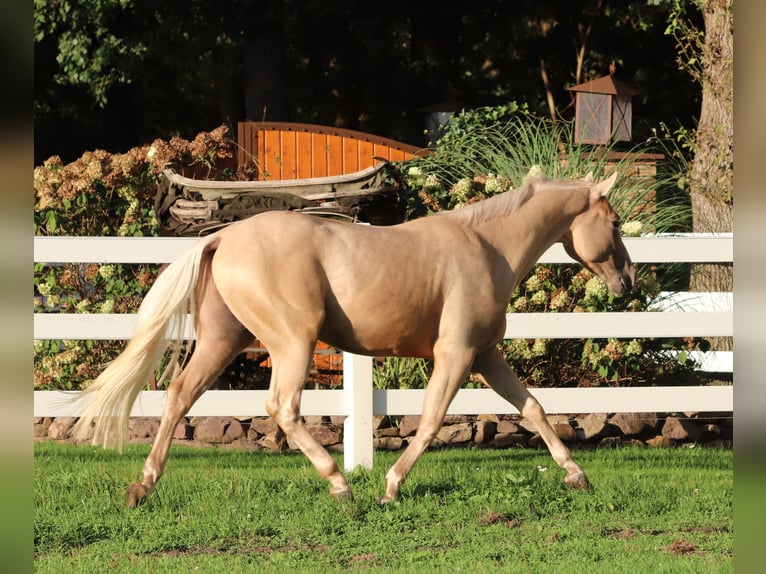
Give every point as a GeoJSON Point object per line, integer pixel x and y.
{"type": "Point", "coordinates": [435, 287]}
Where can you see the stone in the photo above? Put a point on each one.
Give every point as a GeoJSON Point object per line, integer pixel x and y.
{"type": "Point", "coordinates": [380, 422]}
{"type": "Point", "coordinates": [408, 425]}
{"type": "Point", "coordinates": [41, 426]}
{"type": "Point", "coordinates": [274, 441]}
{"type": "Point", "coordinates": [455, 419]}
{"type": "Point", "coordinates": [388, 443]}
{"type": "Point", "coordinates": [315, 420]}
{"type": "Point", "coordinates": [60, 428]}
{"type": "Point", "coordinates": [324, 435]}
{"type": "Point", "coordinates": [634, 424]}
{"type": "Point", "coordinates": [234, 431]}
{"type": "Point", "coordinates": [338, 420]}
{"type": "Point", "coordinates": [489, 418]}
{"type": "Point", "coordinates": [143, 427]}
{"type": "Point", "coordinates": [565, 431]}
{"type": "Point", "coordinates": [485, 431]}
{"type": "Point", "coordinates": [507, 427]}
{"type": "Point", "coordinates": [505, 440]}
{"type": "Point", "coordinates": [211, 430]}
{"type": "Point", "coordinates": [183, 431]}
{"type": "Point", "coordinates": [455, 433]}
{"type": "Point", "coordinates": [383, 432]}
{"type": "Point", "coordinates": [591, 428]}
{"type": "Point", "coordinates": [263, 426]}
{"type": "Point", "coordinates": [681, 429]}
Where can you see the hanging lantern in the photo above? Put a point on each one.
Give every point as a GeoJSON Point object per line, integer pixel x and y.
{"type": "Point", "coordinates": [603, 110]}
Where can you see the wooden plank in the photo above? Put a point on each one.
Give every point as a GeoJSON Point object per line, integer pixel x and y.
{"type": "Point", "coordinates": [397, 155]}
{"type": "Point", "coordinates": [272, 156]}
{"type": "Point", "coordinates": [689, 248]}
{"type": "Point", "coordinates": [259, 145]}
{"type": "Point", "coordinates": [410, 402]}
{"type": "Point", "coordinates": [212, 403]}
{"type": "Point", "coordinates": [243, 140]}
{"type": "Point", "coordinates": [319, 152]}
{"type": "Point", "coordinates": [289, 154]}
{"type": "Point", "coordinates": [379, 150]}
{"type": "Point", "coordinates": [569, 400]}
{"type": "Point", "coordinates": [165, 249]}
{"type": "Point", "coordinates": [366, 153]}
{"type": "Point", "coordinates": [334, 155]}
{"type": "Point", "coordinates": [304, 153]}
{"type": "Point", "coordinates": [518, 325]}
{"type": "Point", "coordinates": [95, 326]}
{"type": "Point", "coordinates": [618, 325]}
{"type": "Point", "coordinates": [350, 155]}
{"type": "Point", "coordinates": [110, 249]}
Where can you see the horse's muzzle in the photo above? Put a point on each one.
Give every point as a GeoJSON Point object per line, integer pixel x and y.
{"type": "Point", "coordinates": [627, 279]}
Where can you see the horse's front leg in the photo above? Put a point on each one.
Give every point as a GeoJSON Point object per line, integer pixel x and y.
{"type": "Point", "coordinates": [493, 369]}
{"type": "Point", "coordinates": [451, 365]}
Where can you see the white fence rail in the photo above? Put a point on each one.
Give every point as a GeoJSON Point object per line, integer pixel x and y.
{"type": "Point", "coordinates": [682, 315]}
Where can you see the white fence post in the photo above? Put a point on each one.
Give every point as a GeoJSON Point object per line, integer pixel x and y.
{"type": "Point", "coordinates": [357, 428]}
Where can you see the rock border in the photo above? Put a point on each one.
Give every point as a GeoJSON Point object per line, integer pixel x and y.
{"type": "Point", "coordinates": [393, 433]}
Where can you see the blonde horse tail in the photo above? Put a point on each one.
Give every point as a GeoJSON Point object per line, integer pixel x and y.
{"type": "Point", "coordinates": [160, 324]}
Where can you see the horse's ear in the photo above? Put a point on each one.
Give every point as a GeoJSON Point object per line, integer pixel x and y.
{"type": "Point", "coordinates": [589, 177]}
{"type": "Point", "coordinates": [602, 187]}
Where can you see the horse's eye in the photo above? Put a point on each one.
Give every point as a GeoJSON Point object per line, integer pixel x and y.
{"type": "Point", "coordinates": [616, 224]}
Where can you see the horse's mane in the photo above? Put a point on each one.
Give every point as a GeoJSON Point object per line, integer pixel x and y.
{"type": "Point", "coordinates": [506, 203]}
{"type": "Point", "coordinates": [499, 205]}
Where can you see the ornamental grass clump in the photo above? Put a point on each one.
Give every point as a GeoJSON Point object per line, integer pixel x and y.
{"type": "Point", "coordinates": [489, 151]}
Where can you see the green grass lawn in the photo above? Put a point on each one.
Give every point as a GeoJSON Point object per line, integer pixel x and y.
{"type": "Point", "coordinates": [463, 510]}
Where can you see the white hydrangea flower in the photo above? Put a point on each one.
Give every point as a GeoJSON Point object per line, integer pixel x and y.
{"type": "Point", "coordinates": [631, 228]}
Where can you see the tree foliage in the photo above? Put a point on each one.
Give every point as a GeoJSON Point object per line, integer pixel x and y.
{"type": "Point", "coordinates": [113, 74]}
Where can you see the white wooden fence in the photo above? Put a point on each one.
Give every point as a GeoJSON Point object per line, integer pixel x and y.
{"type": "Point", "coordinates": [680, 315]}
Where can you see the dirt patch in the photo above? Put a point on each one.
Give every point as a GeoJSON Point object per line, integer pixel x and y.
{"type": "Point", "coordinates": [683, 548]}
{"type": "Point", "coordinates": [504, 519]}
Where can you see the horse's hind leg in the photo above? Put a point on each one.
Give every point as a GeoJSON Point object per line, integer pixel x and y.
{"type": "Point", "coordinates": [491, 366]}
{"type": "Point", "coordinates": [220, 337]}
{"type": "Point", "coordinates": [291, 363]}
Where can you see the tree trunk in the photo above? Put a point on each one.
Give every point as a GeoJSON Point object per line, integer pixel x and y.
{"type": "Point", "coordinates": [712, 170]}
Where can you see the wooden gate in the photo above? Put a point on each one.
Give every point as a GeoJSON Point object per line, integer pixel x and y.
{"type": "Point", "coordinates": [278, 150]}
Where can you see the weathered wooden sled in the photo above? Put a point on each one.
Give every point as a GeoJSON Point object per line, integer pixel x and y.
{"type": "Point", "coordinates": [193, 207]}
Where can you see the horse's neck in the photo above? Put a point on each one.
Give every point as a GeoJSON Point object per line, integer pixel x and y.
{"type": "Point", "coordinates": [523, 236]}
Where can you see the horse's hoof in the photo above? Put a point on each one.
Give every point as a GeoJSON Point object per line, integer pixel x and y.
{"type": "Point", "coordinates": [387, 500]}
{"type": "Point", "coordinates": [342, 494]}
{"type": "Point", "coordinates": [135, 495]}
{"type": "Point", "coordinates": [578, 481]}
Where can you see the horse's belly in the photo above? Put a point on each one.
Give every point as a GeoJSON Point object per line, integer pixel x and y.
{"type": "Point", "coordinates": [381, 338]}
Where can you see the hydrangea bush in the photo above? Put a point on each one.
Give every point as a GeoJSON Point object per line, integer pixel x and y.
{"type": "Point", "coordinates": [103, 194]}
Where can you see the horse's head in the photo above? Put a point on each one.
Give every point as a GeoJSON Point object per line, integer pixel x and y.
{"type": "Point", "coordinates": [594, 240]}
